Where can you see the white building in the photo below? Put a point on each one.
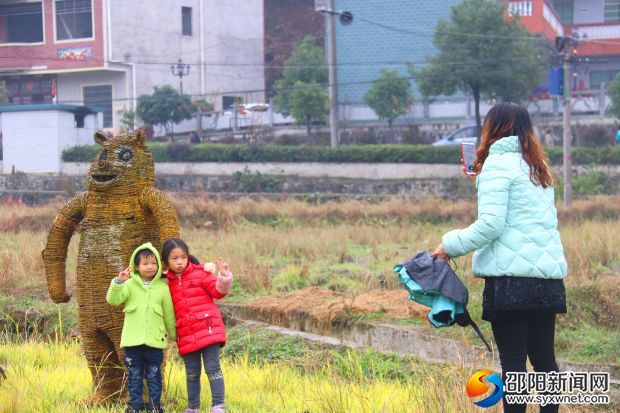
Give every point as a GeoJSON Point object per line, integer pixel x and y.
{"type": "Point", "coordinates": [34, 136]}
{"type": "Point", "coordinates": [106, 53]}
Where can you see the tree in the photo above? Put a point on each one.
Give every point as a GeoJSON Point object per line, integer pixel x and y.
{"type": "Point", "coordinates": [308, 103]}
{"type": "Point", "coordinates": [614, 93]}
{"type": "Point", "coordinates": [484, 55]}
{"type": "Point", "coordinates": [390, 96]}
{"type": "Point", "coordinates": [128, 120]}
{"type": "Point", "coordinates": [301, 91]}
{"type": "Point", "coordinates": [165, 106]}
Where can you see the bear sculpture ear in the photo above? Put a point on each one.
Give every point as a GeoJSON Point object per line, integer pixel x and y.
{"type": "Point", "coordinates": [140, 137]}
{"type": "Point", "coordinates": [101, 138]}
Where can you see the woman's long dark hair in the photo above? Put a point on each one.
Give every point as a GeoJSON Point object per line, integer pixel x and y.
{"type": "Point", "coordinates": [173, 243]}
{"type": "Point", "coordinates": [507, 119]}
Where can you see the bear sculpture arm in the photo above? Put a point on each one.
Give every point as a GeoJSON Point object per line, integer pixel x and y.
{"type": "Point", "coordinates": [164, 213]}
{"type": "Point", "coordinates": [55, 252]}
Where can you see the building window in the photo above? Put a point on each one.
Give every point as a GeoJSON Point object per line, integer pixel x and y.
{"type": "Point", "coordinates": [598, 77]}
{"type": "Point", "coordinates": [74, 19]}
{"type": "Point", "coordinates": [612, 11]}
{"type": "Point", "coordinates": [29, 89]}
{"type": "Point", "coordinates": [231, 102]}
{"type": "Point", "coordinates": [564, 9]}
{"type": "Point", "coordinates": [100, 97]}
{"type": "Point", "coordinates": [186, 20]}
{"type": "Point", "coordinates": [21, 23]}
{"type": "Point", "coordinates": [79, 120]}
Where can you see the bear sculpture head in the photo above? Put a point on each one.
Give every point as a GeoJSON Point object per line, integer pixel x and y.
{"type": "Point", "coordinates": [123, 161]}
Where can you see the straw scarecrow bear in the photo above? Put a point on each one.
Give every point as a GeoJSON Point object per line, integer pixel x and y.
{"type": "Point", "coordinates": [120, 211]}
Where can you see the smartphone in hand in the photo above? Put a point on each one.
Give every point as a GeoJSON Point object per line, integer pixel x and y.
{"type": "Point", "coordinates": [468, 152]}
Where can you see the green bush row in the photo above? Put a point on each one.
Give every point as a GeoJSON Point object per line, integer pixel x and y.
{"type": "Point", "coordinates": [181, 152]}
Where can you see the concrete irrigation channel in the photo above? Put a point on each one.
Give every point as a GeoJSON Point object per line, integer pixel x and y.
{"type": "Point", "coordinates": [391, 338]}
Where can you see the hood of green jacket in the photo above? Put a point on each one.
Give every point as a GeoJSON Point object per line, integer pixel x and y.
{"type": "Point", "coordinates": [134, 271]}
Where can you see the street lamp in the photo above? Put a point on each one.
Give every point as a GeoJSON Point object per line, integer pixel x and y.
{"type": "Point", "coordinates": [180, 69]}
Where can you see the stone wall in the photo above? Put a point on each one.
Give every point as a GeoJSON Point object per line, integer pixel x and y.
{"type": "Point", "coordinates": [38, 188]}
{"type": "Point", "coordinates": [303, 180]}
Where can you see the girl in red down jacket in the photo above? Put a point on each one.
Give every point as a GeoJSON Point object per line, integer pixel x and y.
{"type": "Point", "coordinates": [199, 325]}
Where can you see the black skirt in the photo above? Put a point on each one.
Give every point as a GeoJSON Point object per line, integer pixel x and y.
{"type": "Point", "coordinates": [518, 297]}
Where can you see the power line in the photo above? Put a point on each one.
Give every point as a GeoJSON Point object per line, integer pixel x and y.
{"type": "Point", "coordinates": [417, 32]}
{"type": "Point", "coordinates": [292, 88]}
{"type": "Point", "coordinates": [207, 64]}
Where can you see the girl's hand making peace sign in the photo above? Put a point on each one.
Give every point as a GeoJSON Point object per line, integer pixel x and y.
{"type": "Point", "coordinates": [224, 276]}
{"type": "Point", "coordinates": [123, 275]}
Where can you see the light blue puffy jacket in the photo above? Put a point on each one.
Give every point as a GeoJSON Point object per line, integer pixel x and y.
{"type": "Point", "coordinates": [516, 231]}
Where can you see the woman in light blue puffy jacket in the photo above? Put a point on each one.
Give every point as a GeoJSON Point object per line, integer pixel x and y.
{"type": "Point", "coordinates": [517, 245]}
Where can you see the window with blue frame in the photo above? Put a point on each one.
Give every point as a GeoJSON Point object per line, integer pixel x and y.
{"type": "Point", "coordinates": [564, 9]}
{"type": "Point", "coordinates": [612, 11]}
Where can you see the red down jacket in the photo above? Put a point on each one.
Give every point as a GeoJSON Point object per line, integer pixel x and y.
{"type": "Point", "coordinates": [199, 323]}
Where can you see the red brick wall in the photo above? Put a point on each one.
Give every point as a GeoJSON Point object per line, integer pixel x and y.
{"type": "Point", "coordinates": [47, 53]}
{"type": "Point", "coordinates": [286, 23]}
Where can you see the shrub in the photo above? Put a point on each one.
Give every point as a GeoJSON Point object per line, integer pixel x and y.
{"type": "Point", "coordinates": [256, 182]}
{"type": "Point", "coordinates": [596, 135]}
{"type": "Point", "coordinates": [84, 153]}
{"type": "Point", "coordinates": [290, 278]}
{"type": "Point", "coordinates": [591, 184]}
{"type": "Point", "coordinates": [213, 152]}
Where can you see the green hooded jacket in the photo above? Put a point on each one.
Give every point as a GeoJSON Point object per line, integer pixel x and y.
{"type": "Point", "coordinates": [149, 312]}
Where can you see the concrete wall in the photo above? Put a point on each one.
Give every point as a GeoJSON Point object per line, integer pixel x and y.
{"type": "Point", "coordinates": [148, 33]}
{"type": "Point", "coordinates": [31, 143]}
{"type": "Point", "coordinates": [372, 171]}
{"type": "Point", "coordinates": [322, 180]}
{"type": "Point", "coordinates": [588, 11]}
{"type": "Point", "coordinates": [363, 171]}
{"type": "Point", "coordinates": [71, 88]}
{"type": "Point", "coordinates": [234, 50]}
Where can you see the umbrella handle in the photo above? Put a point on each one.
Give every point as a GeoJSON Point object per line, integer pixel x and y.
{"type": "Point", "coordinates": [475, 327]}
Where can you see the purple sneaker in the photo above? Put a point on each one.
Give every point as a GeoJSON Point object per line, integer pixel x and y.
{"type": "Point", "coordinates": [188, 410]}
{"type": "Point", "coordinates": [218, 409]}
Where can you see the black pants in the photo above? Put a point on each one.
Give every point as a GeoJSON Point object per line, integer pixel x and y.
{"type": "Point", "coordinates": [518, 339]}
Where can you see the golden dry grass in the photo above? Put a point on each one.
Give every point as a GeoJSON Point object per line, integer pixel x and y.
{"type": "Point", "coordinates": [217, 212]}
{"type": "Point", "coordinates": [353, 243]}
{"type": "Point", "coordinates": [37, 383]}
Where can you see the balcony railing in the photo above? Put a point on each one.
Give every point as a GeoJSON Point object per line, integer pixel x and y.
{"type": "Point", "coordinates": [520, 8]}
{"type": "Point", "coordinates": [553, 19]}
{"type": "Point", "coordinates": [598, 32]}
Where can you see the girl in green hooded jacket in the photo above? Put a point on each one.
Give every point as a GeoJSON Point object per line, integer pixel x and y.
{"type": "Point", "coordinates": [149, 322]}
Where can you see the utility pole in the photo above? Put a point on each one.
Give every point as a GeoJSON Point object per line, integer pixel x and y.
{"type": "Point", "coordinates": [330, 30]}
{"type": "Point", "coordinates": [567, 136]}
{"type": "Point", "coordinates": [346, 18]}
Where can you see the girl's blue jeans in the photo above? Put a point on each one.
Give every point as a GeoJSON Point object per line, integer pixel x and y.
{"type": "Point", "coordinates": [144, 362]}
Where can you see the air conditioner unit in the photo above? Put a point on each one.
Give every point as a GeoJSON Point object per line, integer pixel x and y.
{"type": "Point", "coordinates": [119, 107]}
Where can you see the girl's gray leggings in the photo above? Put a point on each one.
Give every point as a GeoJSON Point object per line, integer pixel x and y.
{"type": "Point", "coordinates": [211, 359]}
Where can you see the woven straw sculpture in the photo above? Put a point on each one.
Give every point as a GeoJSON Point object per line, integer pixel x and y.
{"type": "Point", "coordinates": [120, 211]}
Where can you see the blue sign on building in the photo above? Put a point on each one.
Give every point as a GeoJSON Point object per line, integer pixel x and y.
{"type": "Point", "coordinates": [556, 81]}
